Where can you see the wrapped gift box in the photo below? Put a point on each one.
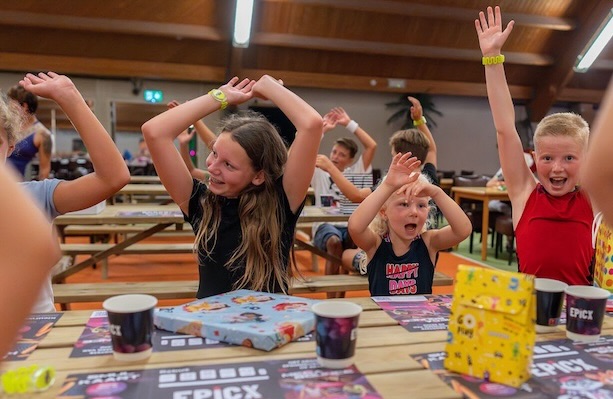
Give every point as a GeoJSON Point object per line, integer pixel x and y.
{"type": "Point", "coordinates": [250, 318]}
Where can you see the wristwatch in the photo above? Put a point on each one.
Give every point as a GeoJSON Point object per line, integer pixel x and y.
{"type": "Point", "coordinates": [219, 96]}
{"type": "Point", "coordinates": [419, 121]}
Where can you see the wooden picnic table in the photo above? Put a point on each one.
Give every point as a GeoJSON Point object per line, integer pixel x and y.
{"type": "Point", "coordinates": [383, 354]}
{"type": "Point", "coordinates": [485, 195]}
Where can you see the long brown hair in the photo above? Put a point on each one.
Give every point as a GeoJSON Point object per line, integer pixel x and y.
{"type": "Point", "coordinates": [260, 208]}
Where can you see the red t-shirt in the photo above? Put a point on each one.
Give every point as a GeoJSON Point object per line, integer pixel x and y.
{"type": "Point", "coordinates": [554, 237]}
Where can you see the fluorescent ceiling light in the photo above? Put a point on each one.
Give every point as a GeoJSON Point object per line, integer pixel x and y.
{"type": "Point", "coordinates": [596, 44]}
{"type": "Point", "coordinates": [242, 23]}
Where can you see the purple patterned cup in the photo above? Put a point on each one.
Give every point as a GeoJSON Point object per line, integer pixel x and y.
{"type": "Point", "coordinates": [336, 326]}
{"type": "Point", "coordinates": [585, 309]}
{"type": "Point", "coordinates": [131, 325]}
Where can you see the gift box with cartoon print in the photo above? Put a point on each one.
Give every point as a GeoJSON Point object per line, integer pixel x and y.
{"type": "Point", "coordinates": [492, 325]}
{"type": "Point", "coordinates": [602, 237]}
{"type": "Point", "coordinates": [250, 318]}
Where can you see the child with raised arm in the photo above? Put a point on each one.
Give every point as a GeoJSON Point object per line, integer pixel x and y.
{"type": "Point", "coordinates": [552, 217]}
{"type": "Point", "coordinates": [23, 270]}
{"type": "Point", "coordinates": [245, 218]}
{"type": "Point", "coordinates": [401, 251]}
{"type": "Point", "coordinates": [55, 196]}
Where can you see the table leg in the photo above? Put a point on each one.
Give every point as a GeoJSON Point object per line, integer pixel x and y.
{"type": "Point", "coordinates": [485, 228]}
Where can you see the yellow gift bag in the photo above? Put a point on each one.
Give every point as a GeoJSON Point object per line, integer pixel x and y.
{"type": "Point", "coordinates": [602, 238]}
{"type": "Point", "coordinates": [491, 326]}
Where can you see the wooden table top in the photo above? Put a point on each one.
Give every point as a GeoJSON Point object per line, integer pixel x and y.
{"type": "Point", "coordinates": [383, 354]}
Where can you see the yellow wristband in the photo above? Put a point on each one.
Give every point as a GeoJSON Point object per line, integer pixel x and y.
{"type": "Point", "coordinates": [420, 121]}
{"type": "Point", "coordinates": [219, 96]}
{"type": "Point", "coordinates": [493, 60]}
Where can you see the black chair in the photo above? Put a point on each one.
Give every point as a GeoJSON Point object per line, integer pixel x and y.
{"type": "Point", "coordinates": [474, 209]}
{"type": "Point", "coordinates": [504, 226]}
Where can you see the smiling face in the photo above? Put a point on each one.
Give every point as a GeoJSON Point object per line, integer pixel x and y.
{"type": "Point", "coordinates": [558, 160]}
{"type": "Point", "coordinates": [231, 170]}
{"type": "Point", "coordinates": [405, 219]}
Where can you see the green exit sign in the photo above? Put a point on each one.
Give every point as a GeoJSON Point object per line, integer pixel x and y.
{"type": "Point", "coordinates": [153, 96]}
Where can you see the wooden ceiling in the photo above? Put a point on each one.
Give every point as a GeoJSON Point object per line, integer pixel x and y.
{"type": "Point", "coordinates": [426, 45]}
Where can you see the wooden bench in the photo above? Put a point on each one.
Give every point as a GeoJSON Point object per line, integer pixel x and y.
{"type": "Point", "coordinates": [98, 292]}
{"type": "Point", "coordinates": [72, 250]}
{"type": "Point", "coordinates": [105, 232]}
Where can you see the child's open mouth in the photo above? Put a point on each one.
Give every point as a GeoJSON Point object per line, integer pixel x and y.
{"type": "Point", "coordinates": [410, 228]}
{"type": "Point", "coordinates": [558, 182]}
{"type": "Point", "coordinates": [214, 180]}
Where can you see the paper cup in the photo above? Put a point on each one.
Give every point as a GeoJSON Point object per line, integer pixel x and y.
{"type": "Point", "coordinates": [336, 326]}
{"type": "Point", "coordinates": [549, 301]}
{"type": "Point", "coordinates": [131, 325]}
{"type": "Point", "coordinates": [585, 309]}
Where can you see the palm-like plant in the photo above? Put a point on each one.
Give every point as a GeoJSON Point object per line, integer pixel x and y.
{"type": "Point", "coordinates": [403, 113]}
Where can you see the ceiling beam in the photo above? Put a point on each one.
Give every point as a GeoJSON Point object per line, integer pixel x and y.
{"type": "Point", "coordinates": [134, 27]}
{"type": "Point", "coordinates": [395, 49]}
{"type": "Point", "coordinates": [548, 90]}
{"type": "Point", "coordinates": [110, 67]}
{"type": "Point", "coordinates": [436, 12]}
{"type": "Point", "coordinates": [380, 84]}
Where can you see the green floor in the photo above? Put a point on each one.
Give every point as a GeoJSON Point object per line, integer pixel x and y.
{"type": "Point", "coordinates": [503, 258]}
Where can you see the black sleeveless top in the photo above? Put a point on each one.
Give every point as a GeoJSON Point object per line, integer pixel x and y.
{"type": "Point", "coordinates": [409, 274]}
{"type": "Point", "coordinates": [215, 277]}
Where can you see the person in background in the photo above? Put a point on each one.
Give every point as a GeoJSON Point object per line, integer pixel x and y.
{"type": "Point", "coordinates": [56, 196]}
{"type": "Point", "coordinates": [597, 175]}
{"type": "Point", "coordinates": [36, 137]}
{"type": "Point", "coordinates": [206, 135]}
{"type": "Point", "coordinates": [245, 218]}
{"type": "Point", "coordinates": [402, 253]}
{"type": "Point", "coordinates": [552, 216]}
{"type": "Point", "coordinates": [23, 271]}
{"type": "Point", "coordinates": [329, 183]}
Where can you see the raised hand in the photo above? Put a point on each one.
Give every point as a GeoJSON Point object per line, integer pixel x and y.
{"type": "Point", "coordinates": [330, 122]}
{"type": "Point", "coordinates": [341, 116]}
{"type": "Point", "coordinates": [260, 86]}
{"type": "Point", "coordinates": [172, 104]}
{"type": "Point", "coordinates": [185, 137]}
{"type": "Point", "coordinates": [404, 169]}
{"type": "Point", "coordinates": [324, 163]}
{"type": "Point", "coordinates": [238, 92]}
{"type": "Point", "coordinates": [48, 85]}
{"type": "Point", "coordinates": [490, 33]}
{"type": "Point", "coordinates": [416, 110]}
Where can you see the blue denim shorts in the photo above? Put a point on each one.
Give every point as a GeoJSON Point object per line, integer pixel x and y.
{"type": "Point", "coordinates": [326, 230]}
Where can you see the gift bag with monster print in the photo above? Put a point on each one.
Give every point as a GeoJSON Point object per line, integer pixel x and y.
{"type": "Point", "coordinates": [492, 325]}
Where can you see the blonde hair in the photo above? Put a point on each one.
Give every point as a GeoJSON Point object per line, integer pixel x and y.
{"type": "Point", "coordinates": [12, 119]}
{"type": "Point", "coordinates": [260, 210]}
{"type": "Point", "coordinates": [380, 226]}
{"type": "Point", "coordinates": [563, 124]}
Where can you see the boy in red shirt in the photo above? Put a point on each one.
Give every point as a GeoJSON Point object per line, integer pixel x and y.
{"type": "Point", "coordinates": [552, 217]}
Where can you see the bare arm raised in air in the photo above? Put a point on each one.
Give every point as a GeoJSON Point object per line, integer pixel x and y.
{"type": "Point", "coordinates": [300, 163]}
{"type": "Point", "coordinates": [517, 175]}
{"type": "Point", "coordinates": [370, 145]}
{"type": "Point", "coordinates": [28, 251]}
{"type": "Point", "coordinates": [597, 174]}
{"type": "Point", "coordinates": [400, 174]}
{"type": "Point", "coordinates": [161, 131]}
{"type": "Point", "coordinates": [184, 139]}
{"type": "Point", "coordinates": [110, 171]}
{"type": "Point", "coordinates": [417, 114]}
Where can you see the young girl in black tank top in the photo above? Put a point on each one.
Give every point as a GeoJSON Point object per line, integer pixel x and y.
{"type": "Point", "coordinates": [401, 251]}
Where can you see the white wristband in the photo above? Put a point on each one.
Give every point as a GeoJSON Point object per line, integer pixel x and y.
{"type": "Point", "coordinates": [352, 126]}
